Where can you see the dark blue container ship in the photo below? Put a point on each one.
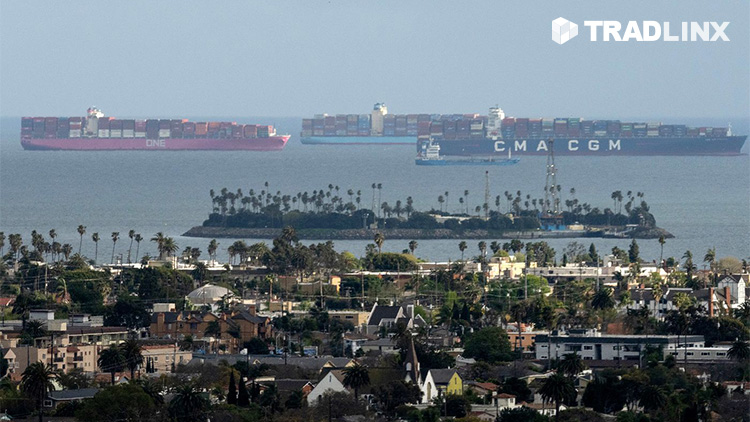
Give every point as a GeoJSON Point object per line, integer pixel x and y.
{"type": "Point", "coordinates": [495, 135]}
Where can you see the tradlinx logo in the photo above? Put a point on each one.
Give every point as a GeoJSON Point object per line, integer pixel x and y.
{"type": "Point", "coordinates": [564, 30]}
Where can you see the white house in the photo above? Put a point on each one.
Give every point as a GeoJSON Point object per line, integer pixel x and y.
{"type": "Point", "coordinates": [737, 288]}
{"type": "Point", "coordinates": [332, 382]}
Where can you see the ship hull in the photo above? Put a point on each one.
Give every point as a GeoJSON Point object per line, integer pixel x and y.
{"type": "Point", "coordinates": [359, 140]}
{"type": "Point", "coordinates": [506, 162]}
{"type": "Point", "coordinates": [273, 143]}
{"type": "Point", "coordinates": [728, 145]}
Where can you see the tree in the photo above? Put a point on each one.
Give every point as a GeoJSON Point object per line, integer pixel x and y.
{"type": "Point", "coordinates": [356, 376]}
{"type": "Point", "coordinates": [379, 239]}
{"type": "Point", "coordinates": [740, 351]}
{"type": "Point", "coordinates": [710, 259]}
{"type": "Point", "coordinates": [232, 392]}
{"type": "Point", "coordinates": [111, 360]}
{"type": "Point", "coordinates": [556, 389]}
{"type": "Point", "coordinates": [490, 344]}
{"type": "Point", "coordinates": [571, 364]}
{"type": "Point", "coordinates": [131, 235]}
{"type": "Point", "coordinates": [462, 246]}
{"type": "Point", "coordinates": [633, 253]}
{"type": "Point", "coordinates": [213, 329]}
{"type": "Point", "coordinates": [243, 399]}
{"type": "Point", "coordinates": [413, 246]}
{"type": "Point", "coordinates": [189, 403]}
{"type": "Point", "coordinates": [662, 241]}
{"type": "Point", "coordinates": [127, 312]}
{"type": "Point", "coordinates": [115, 237]}
{"type": "Point", "coordinates": [133, 354]}
{"type": "Point", "coordinates": [603, 299]}
{"type": "Point", "coordinates": [126, 402]}
{"type": "Point", "coordinates": [652, 398]}
{"type": "Point", "coordinates": [138, 238]}
{"type": "Point", "coordinates": [95, 238]}
{"type": "Point", "coordinates": [81, 232]}
{"type": "Point", "coordinates": [36, 382]}
{"type": "Point", "coordinates": [213, 246]}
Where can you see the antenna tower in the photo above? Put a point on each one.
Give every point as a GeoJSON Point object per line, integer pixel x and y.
{"type": "Point", "coordinates": [551, 201]}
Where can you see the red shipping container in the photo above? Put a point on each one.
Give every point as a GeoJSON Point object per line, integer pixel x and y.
{"type": "Point", "coordinates": [201, 128]}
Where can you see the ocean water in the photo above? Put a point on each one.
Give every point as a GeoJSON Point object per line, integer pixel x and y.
{"type": "Point", "coordinates": [703, 201]}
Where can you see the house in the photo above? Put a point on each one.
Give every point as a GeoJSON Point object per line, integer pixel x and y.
{"type": "Point", "coordinates": [737, 285]}
{"type": "Point", "coordinates": [481, 388]}
{"type": "Point", "coordinates": [383, 346]}
{"type": "Point", "coordinates": [546, 409]}
{"type": "Point", "coordinates": [163, 356]}
{"type": "Point", "coordinates": [438, 382]}
{"type": "Point", "coordinates": [55, 398]}
{"type": "Point", "coordinates": [332, 382]}
{"type": "Point", "coordinates": [385, 317]}
{"type": "Point", "coordinates": [590, 344]}
{"type": "Point", "coordinates": [504, 401]}
{"type": "Point", "coordinates": [507, 267]}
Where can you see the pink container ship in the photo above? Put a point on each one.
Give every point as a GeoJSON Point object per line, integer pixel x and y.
{"type": "Point", "coordinates": [96, 132]}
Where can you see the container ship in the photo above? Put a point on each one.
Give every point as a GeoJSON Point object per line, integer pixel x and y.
{"type": "Point", "coordinates": [98, 132]}
{"type": "Point", "coordinates": [496, 134]}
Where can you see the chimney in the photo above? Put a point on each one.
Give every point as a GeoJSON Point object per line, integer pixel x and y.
{"type": "Point", "coordinates": [728, 296]}
{"type": "Point", "coordinates": [711, 302]}
{"type": "Point", "coordinates": [251, 309]}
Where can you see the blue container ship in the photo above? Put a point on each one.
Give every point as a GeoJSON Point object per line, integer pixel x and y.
{"type": "Point", "coordinates": [495, 134]}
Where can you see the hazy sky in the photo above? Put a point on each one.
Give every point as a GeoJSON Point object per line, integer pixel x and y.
{"type": "Point", "coordinates": [294, 58]}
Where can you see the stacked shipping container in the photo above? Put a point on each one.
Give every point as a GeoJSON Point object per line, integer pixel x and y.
{"type": "Point", "coordinates": [108, 127]}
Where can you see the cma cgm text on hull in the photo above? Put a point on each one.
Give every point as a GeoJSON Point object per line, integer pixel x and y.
{"type": "Point", "coordinates": [496, 134]}
{"type": "Point", "coordinates": [96, 132]}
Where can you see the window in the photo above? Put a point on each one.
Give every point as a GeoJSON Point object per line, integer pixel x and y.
{"type": "Point", "coordinates": [615, 347]}
{"type": "Point", "coordinates": [705, 354]}
{"type": "Point", "coordinates": [720, 354]}
{"type": "Point", "coordinates": [588, 347]}
{"type": "Point", "coordinates": [690, 353]}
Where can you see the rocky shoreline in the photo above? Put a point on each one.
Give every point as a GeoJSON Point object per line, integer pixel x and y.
{"type": "Point", "coordinates": [419, 234]}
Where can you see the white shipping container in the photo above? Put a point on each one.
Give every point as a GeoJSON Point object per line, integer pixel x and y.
{"type": "Point", "coordinates": [128, 133]}
{"type": "Point", "coordinates": [115, 133]}
{"type": "Point", "coordinates": [103, 133]}
{"type": "Point", "coordinates": [140, 134]}
{"type": "Point", "coordinates": [75, 133]}
{"type": "Point", "coordinates": [477, 126]}
{"type": "Point", "coordinates": [164, 133]}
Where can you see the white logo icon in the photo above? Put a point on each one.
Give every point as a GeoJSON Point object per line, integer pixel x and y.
{"type": "Point", "coordinates": [563, 30]}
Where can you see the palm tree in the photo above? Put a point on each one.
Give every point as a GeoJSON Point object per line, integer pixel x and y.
{"type": "Point", "coordinates": [356, 376]}
{"type": "Point", "coordinates": [740, 351]}
{"type": "Point", "coordinates": [662, 241]}
{"type": "Point", "coordinates": [482, 248]}
{"type": "Point", "coordinates": [111, 360]}
{"type": "Point", "coordinates": [189, 403]}
{"type": "Point", "coordinates": [37, 382]}
{"type": "Point", "coordinates": [159, 239]}
{"type": "Point", "coordinates": [710, 258]}
{"type": "Point", "coordinates": [115, 237]}
{"type": "Point", "coordinates": [379, 239]}
{"type": "Point", "coordinates": [169, 246]}
{"type": "Point", "coordinates": [556, 389]}
{"type": "Point", "coordinates": [603, 299]}
{"type": "Point", "coordinates": [413, 246]}
{"type": "Point", "coordinates": [213, 246]}
{"type": "Point", "coordinates": [138, 238]}
{"type": "Point", "coordinates": [95, 238]}
{"type": "Point", "coordinates": [462, 247]}
{"type": "Point", "coordinates": [81, 232]}
{"type": "Point", "coordinates": [571, 365]}
{"type": "Point", "coordinates": [132, 353]}
{"type": "Point", "coordinates": [652, 398]}
{"type": "Point", "coordinates": [131, 235]}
